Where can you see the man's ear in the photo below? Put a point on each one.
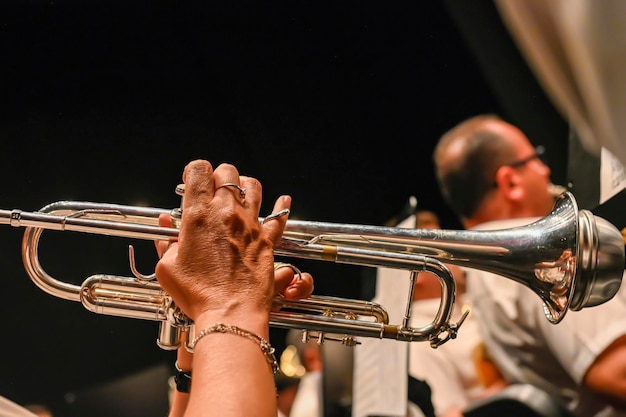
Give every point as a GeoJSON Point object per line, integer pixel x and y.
{"type": "Point", "coordinates": [509, 183]}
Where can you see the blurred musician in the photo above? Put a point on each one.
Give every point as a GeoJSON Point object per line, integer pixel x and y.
{"type": "Point", "coordinates": [451, 370]}
{"type": "Point", "coordinates": [308, 401]}
{"type": "Point", "coordinates": [493, 178]}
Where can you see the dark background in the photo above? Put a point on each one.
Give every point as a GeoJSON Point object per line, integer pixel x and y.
{"type": "Point", "coordinates": [337, 103]}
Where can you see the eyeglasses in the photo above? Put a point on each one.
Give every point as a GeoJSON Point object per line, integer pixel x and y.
{"type": "Point", "coordinates": [540, 153]}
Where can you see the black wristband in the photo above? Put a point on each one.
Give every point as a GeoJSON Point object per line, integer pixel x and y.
{"type": "Point", "coordinates": [182, 380]}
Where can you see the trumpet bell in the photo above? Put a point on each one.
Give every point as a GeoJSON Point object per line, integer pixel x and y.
{"type": "Point", "coordinates": [571, 258]}
{"type": "Point", "coordinates": [601, 262]}
{"type": "Point", "coordinates": [591, 264]}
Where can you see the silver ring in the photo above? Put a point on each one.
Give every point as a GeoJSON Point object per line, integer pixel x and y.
{"type": "Point", "coordinates": [296, 271]}
{"type": "Point", "coordinates": [283, 212]}
{"type": "Point", "coordinates": [242, 191]}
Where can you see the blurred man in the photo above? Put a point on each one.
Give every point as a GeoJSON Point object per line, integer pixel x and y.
{"type": "Point", "coordinates": [493, 178]}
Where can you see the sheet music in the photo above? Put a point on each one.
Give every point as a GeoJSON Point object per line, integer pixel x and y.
{"type": "Point", "coordinates": [381, 366]}
{"type": "Point", "coordinates": [380, 379]}
{"type": "Point", "coordinates": [612, 176]}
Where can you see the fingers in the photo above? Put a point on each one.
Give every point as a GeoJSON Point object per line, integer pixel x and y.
{"type": "Point", "coordinates": [283, 275]}
{"type": "Point", "coordinates": [199, 183]}
{"type": "Point", "coordinates": [276, 225]}
{"type": "Point", "coordinates": [222, 250]}
{"type": "Point", "coordinates": [291, 284]}
{"type": "Point", "coordinates": [203, 184]}
{"type": "Point", "coordinates": [224, 181]}
{"type": "Point", "coordinates": [300, 288]}
{"type": "Point", "coordinates": [161, 245]}
{"type": "Point", "coordinates": [253, 194]}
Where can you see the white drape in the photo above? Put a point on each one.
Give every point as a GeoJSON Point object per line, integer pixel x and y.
{"type": "Point", "coordinates": [577, 49]}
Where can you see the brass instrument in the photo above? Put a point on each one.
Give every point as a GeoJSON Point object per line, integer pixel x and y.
{"type": "Point", "coordinates": [571, 259]}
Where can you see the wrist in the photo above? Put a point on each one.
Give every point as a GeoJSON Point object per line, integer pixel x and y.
{"type": "Point", "coordinates": [252, 321]}
{"type": "Point", "coordinates": [223, 329]}
{"type": "Point", "coordinates": [184, 358]}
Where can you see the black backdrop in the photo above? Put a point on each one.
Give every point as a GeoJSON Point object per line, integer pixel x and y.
{"type": "Point", "coordinates": [338, 103]}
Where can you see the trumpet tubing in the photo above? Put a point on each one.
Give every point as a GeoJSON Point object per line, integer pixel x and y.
{"type": "Point", "coordinates": [571, 259]}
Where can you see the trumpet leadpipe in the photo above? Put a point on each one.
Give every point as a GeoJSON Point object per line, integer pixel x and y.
{"type": "Point", "coordinates": [100, 219]}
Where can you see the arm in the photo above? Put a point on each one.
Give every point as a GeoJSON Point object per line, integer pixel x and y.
{"type": "Point", "coordinates": [286, 284]}
{"type": "Point", "coordinates": [221, 270]}
{"type": "Point", "coordinates": [184, 360]}
{"type": "Point", "coordinates": [607, 374]}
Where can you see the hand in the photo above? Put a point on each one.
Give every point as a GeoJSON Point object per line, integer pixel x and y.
{"type": "Point", "coordinates": [221, 269]}
{"type": "Point", "coordinates": [286, 283]}
{"type": "Point", "coordinates": [224, 239]}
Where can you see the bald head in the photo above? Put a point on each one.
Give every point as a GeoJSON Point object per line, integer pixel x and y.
{"type": "Point", "coordinates": [467, 158]}
{"type": "Point", "coordinates": [488, 170]}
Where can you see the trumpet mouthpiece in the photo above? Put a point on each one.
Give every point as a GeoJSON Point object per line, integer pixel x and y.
{"type": "Point", "coordinates": [556, 190]}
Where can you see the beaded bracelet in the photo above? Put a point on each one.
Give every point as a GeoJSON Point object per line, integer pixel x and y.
{"type": "Point", "coordinates": [265, 346]}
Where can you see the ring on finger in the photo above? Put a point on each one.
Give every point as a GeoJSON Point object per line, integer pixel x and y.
{"type": "Point", "coordinates": [242, 191]}
{"type": "Point", "coordinates": [296, 271]}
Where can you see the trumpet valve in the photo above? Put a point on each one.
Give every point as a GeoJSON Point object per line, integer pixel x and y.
{"type": "Point", "coordinates": [177, 213]}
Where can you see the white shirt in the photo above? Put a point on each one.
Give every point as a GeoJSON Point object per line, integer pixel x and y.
{"type": "Point", "coordinates": [308, 399]}
{"type": "Point", "coordinates": [448, 369]}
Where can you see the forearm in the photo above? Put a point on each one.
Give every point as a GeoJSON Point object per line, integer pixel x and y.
{"type": "Point", "coordinates": [181, 399]}
{"type": "Point", "coordinates": [231, 375]}
{"type": "Point", "coordinates": [179, 404]}
{"type": "Point", "coordinates": [607, 375]}
{"type": "Point", "coordinates": [220, 272]}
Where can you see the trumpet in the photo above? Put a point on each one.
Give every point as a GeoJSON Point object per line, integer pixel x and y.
{"type": "Point", "coordinates": [571, 259]}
